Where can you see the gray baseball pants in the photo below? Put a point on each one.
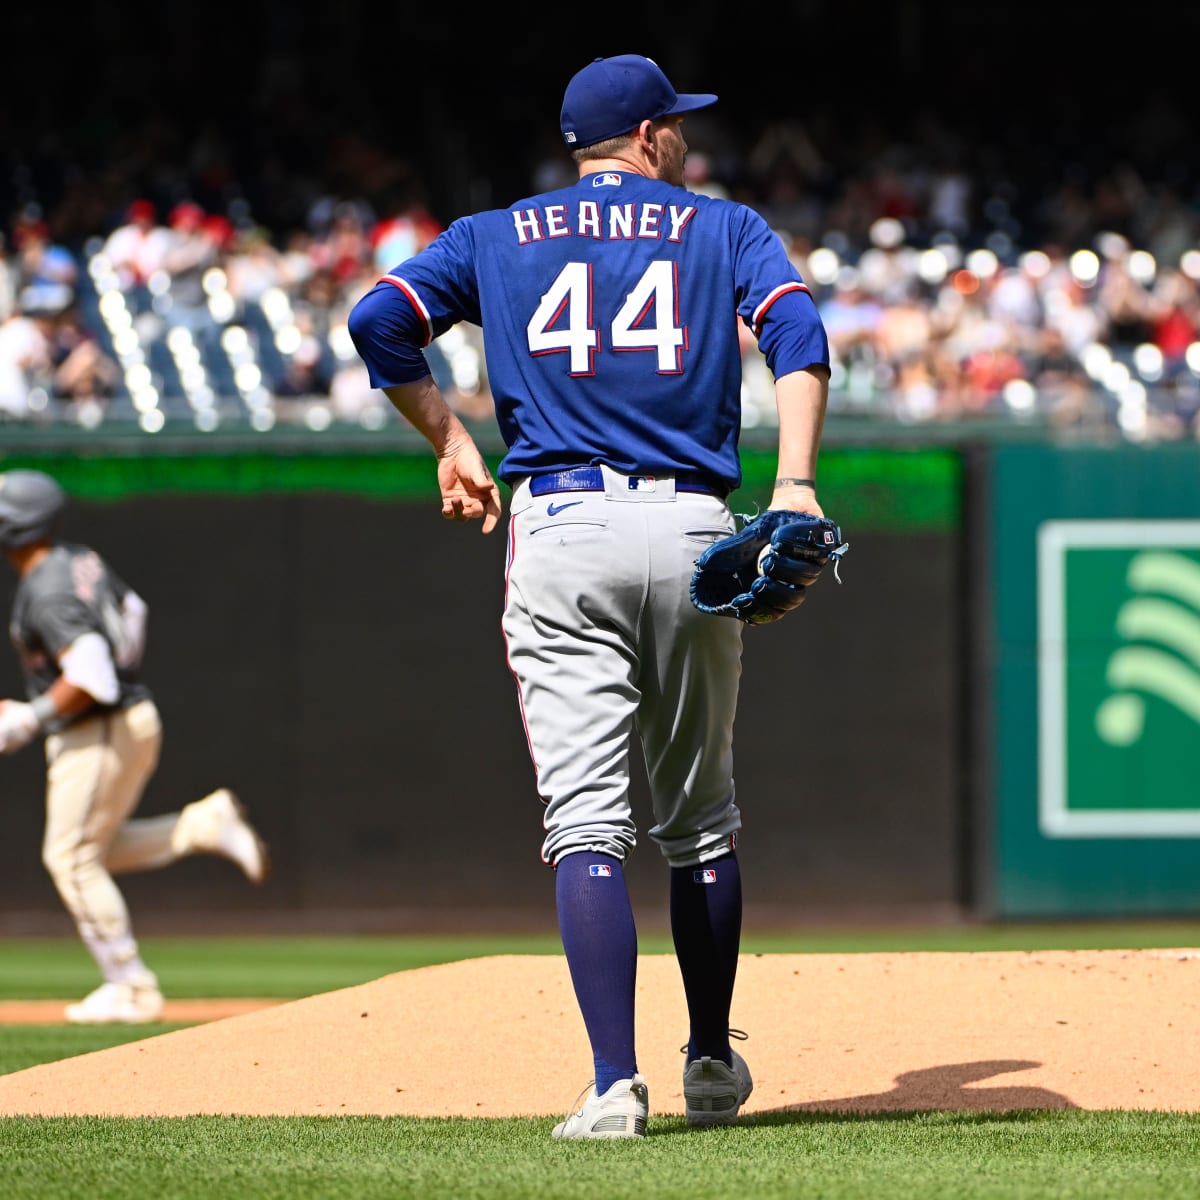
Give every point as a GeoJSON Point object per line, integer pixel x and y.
{"type": "Point", "coordinates": [605, 644]}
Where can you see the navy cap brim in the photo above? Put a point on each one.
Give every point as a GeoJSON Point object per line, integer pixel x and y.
{"type": "Point", "coordinates": [689, 102]}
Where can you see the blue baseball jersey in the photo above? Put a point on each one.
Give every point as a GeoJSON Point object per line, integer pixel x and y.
{"type": "Point", "coordinates": [609, 313]}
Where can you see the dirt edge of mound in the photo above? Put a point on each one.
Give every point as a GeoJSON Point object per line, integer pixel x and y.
{"type": "Point", "coordinates": [502, 1036]}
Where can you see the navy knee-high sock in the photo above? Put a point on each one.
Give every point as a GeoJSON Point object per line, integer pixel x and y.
{"type": "Point", "coordinates": [599, 938]}
{"type": "Point", "coordinates": [706, 924]}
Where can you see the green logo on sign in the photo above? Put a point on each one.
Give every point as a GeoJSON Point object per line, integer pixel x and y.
{"type": "Point", "coordinates": [1119, 678]}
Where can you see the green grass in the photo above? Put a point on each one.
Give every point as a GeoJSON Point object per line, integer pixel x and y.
{"type": "Point", "coordinates": [1060, 1155]}
{"type": "Point", "coordinates": [286, 966]}
{"type": "Point", "coordinates": [1056, 1155]}
{"type": "Point", "coordinates": [291, 966]}
{"type": "Point", "coordinates": [24, 1046]}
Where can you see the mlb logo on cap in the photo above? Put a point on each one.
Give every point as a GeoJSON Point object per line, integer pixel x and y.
{"type": "Point", "coordinates": [707, 875]}
{"type": "Point", "coordinates": [595, 869]}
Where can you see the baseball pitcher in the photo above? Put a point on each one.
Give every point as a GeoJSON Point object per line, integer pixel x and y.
{"type": "Point", "coordinates": [609, 312]}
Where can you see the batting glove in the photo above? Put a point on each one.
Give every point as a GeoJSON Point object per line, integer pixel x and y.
{"type": "Point", "coordinates": [19, 725]}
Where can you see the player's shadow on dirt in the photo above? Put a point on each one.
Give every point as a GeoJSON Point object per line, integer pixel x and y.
{"type": "Point", "coordinates": [941, 1089]}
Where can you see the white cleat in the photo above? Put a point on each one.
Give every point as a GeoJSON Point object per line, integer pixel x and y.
{"type": "Point", "coordinates": [620, 1113]}
{"type": "Point", "coordinates": [218, 825]}
{"type": "Point", "coordinates": [119, 1004]}
{"type": "Point", "coordinates": [713, 1093]}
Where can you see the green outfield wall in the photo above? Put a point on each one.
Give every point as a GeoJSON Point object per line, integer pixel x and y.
{"type": "Point", "coordinates": [997, 713]}
{"type": "Point", "coordinates": [325, 643]}
{"type": "Point", "coordinates": [874, 490]}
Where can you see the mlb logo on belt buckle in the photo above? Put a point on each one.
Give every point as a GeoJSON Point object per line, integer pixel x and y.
{"type": "Point", "coordinates": [642, 483]}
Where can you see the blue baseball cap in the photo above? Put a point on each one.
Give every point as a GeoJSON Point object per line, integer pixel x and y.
{"type": "Point", "coordinates": [611, 96]}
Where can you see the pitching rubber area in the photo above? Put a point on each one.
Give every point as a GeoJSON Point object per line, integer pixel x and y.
{"type": "Point", "coordinates": [501, 1036]}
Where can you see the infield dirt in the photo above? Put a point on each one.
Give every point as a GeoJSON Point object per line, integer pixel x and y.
{"type": "Point", "coordinates": [501, 1036]}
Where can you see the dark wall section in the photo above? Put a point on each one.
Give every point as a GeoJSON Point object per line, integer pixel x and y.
{"type": "Point", "coordinates": [339, 662]}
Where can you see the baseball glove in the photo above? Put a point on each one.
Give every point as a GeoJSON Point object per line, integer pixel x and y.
{"type": "Point", "coordinates": [760, 573]}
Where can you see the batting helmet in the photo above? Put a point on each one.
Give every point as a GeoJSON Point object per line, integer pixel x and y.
{"type": "Point", "coordinates": [31, 504]}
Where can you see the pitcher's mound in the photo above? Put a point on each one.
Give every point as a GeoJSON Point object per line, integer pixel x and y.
{"type": "Point", "coordinates": [499, 1037]}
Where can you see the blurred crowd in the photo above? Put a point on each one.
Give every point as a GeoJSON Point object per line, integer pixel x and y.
{"type": "Point", "coordinates": [952, 290]}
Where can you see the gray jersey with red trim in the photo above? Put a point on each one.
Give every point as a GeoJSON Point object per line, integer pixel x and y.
{"type": "Point", "coordinates": [72, 592]}
{"type": "Point", "coordinates": [609, 312]}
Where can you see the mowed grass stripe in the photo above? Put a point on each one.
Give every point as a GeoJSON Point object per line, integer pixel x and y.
{"type": "Point", "coordinates": [1060, 1154]}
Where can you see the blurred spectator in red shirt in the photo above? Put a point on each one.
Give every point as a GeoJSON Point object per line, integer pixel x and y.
{"type": "Point", "coordinates": [136, 247]}
{"type": "Point", "coordinates": [1174, 316]}
{"type": "Point", "coordinates": [987, 370]}
{"type": "Point", "coordinates": [405, 228]}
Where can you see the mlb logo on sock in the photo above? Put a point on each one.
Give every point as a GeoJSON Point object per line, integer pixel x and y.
{"type": "Point", "coordinates": [708, 875]}
{"type": "Point", "coordinates": [599, 869]}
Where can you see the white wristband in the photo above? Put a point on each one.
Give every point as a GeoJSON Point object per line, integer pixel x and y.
{"type": "Point", "coordinates": [44, 709]}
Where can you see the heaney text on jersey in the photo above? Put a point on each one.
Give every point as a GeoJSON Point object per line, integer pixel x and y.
{"type": "Point", "coordinates": [620, 222]}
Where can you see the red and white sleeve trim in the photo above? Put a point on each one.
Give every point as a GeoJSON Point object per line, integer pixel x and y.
{"type": "Point", "coordinates": [782, 290]}
{"type": "Point", "coordinates": [415, 301]}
